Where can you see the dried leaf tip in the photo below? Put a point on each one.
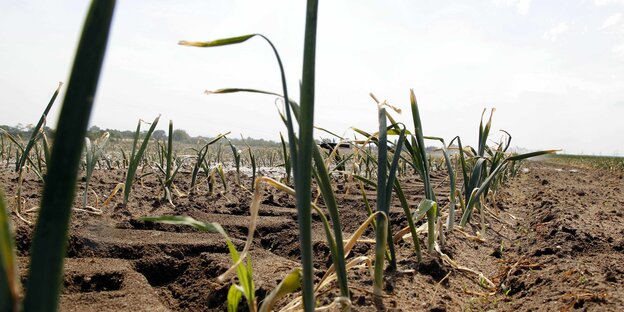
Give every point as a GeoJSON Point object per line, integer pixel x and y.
{"type": "Point", "coordinates": [189, 43]}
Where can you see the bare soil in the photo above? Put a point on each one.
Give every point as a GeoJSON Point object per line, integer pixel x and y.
{"type": "Point", "coordinates": [555, 242]}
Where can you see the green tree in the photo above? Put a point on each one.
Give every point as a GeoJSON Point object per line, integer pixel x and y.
{"type": "Point", "coordinates": [160, 135]}
{"type": "Point", "coordinates": [180, 135]}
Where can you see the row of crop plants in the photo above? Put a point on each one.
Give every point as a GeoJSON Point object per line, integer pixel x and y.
{"type": "Point", "coordinates": [378, 157]}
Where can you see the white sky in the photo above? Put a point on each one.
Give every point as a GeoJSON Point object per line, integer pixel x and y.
{"type": "Point", "coordinates": [553, 69]}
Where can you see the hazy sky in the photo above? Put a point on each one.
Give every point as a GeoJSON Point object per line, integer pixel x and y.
{"type": "Point", "coordinates": [554, 69]}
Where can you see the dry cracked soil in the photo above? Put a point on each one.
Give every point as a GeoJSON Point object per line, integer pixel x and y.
{"type": "Point", "coordinates": [554, 242]}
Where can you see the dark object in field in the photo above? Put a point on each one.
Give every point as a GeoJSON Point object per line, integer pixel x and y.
{"type": "Point", "coordinates": [330, 146]}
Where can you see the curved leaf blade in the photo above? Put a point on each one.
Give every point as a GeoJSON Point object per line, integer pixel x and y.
{"type": "Point", "coordinates": [216, 43]}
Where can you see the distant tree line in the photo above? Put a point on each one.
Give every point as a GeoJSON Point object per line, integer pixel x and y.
{"type": "Point", "coordinates": [25, 131]}
{"type": "Point", "coordinates": [179, 135]}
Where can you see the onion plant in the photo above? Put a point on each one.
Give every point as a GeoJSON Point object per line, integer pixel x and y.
{"type": "Point", "coordinates": [93, 152]}
{"type": "Point", "coordinates": [479, 169]}
{"type": "Point", "coordinates": [37, 130]}
{"type": "Point", "coordinates": [19, 152]}
{"type": "Point", "coordinates": [395, 128]}
{"type": "Point", "coordinates": [452, 181]}
{"type": "Point", "coordinates": [385, 183]}
{"type": "Point", "coordinates": [19, 168]}
{"type": "Point", "coordinates": [418, 153]}
{"type": "Point", "coordinates": [171, 166]}
{"type": "Point", "coordinates": [219, 170]}
{"type": "Point", "coordinates": [286, 158]}
{"type": "Point", "coordinates": [495, 156]}
{"type": "Point", "coordinates": [135, 157]}
{"type": "Point", "coordinates": [218, 155]}
{"type": "Point", "coordinates": [425, 204]}
{"type": "Point", "coordinates": [301, 146]}
{"type": "Point", "coordinates": [23, 150]}
{"type": "Point", "coordinates": [482, 176]}
{"type": "Point", "coordinates": [236, 155]}
{"type": "Point", "coordinates": [484, 182]}
{"type": "Point", "coordinates": [39, 157]}
{"type": "Point", "coordinates": [6, 149]}
{"type": "Point", "coordinates": [200, 161]}
{"type": "Point", "coordinates": [419, 161]}
{"type": "Point", "coordinates": [50, 235]}
{"type": "Point", "coordinates": [252, 160]}
{"type": "Point", "coordinates": [321, 175]}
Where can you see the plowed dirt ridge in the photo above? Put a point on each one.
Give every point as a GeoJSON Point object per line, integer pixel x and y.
{"type": "Point", "coordinates": [554, 242]}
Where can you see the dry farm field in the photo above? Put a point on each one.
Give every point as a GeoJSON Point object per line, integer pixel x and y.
{"type": "Point", "coordinates": [553, 234]}
{"type": "Point", "coordinates": [390, 218]}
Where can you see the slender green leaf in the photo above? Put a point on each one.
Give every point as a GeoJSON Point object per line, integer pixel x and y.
{"type": "Point", "coordinates": [201, 156]}
{"type": "Point", "coordinates": [410, 221]}
{"type": "Point", "coordinates": [185, 220]}
{"type": "Point", "coordinates": [218, 42]}
{"type": "Point", "coordinates": [38, 128]}
{"type": "Point", "coordinates": [382, 204]}
{"type": "Point", "coordinates": [365, 180]}
{"type": "Point", "coordinates": [529, 155]}
{"type": "Point", "coordinates": [290, 284]}
{"type": "Point", "coordinates": [169, 154]}
{"type": "Point", "coordinates": [423, 165]}
{"type": "Point", "coordinates": [233, 298]}
{"type": "Point", "coordinates": [303, 159]}
{"type": "Point", "coordinates": [423, 208]}
{"type": "Point", "coordinates": [338, 254]}
{"type": "Point", "coordinates": [135, 158]}
{"type": "Point", "coordinates": [484, 132]}
{"type": "Point", "coordinates": [393, 167]}
{"type": "Point", "coordinates": [50, 236]}
{"type": "Point", "coordinates": [462, 159]}
{"type": "Point", "coordinates": [9, 279]}
{"type": "Point", "coordinates": [300, 148]}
